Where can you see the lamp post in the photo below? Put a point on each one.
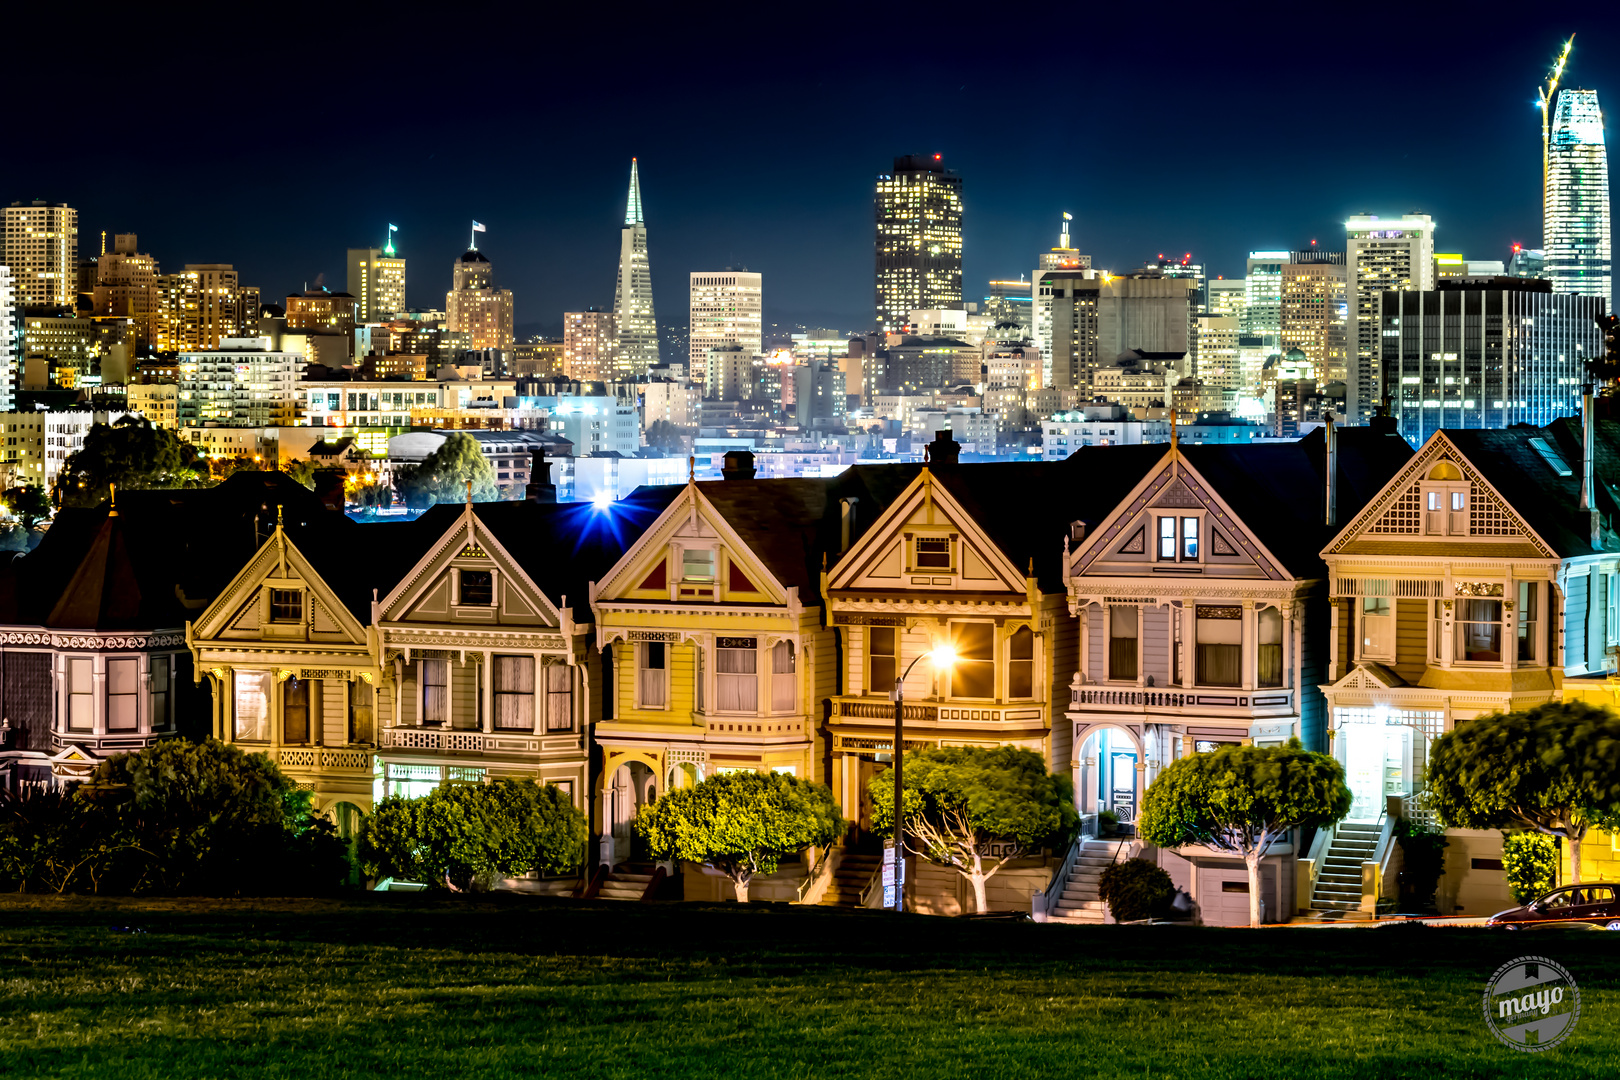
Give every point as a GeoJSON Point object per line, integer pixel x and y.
{"type": "Point", "coordinates": [943, 656]}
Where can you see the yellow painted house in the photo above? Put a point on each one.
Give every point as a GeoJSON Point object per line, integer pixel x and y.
{"type": "Point", "coordinates": [292, 662]}
{"type": "Point", "coordinates": [720, 656]}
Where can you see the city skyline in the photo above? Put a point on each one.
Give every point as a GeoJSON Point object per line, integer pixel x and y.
{"type": "Point", "coordinates": [1193, 188]}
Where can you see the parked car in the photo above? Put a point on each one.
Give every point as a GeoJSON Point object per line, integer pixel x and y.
{"type": "Point", "coordinates": [1591, 904]}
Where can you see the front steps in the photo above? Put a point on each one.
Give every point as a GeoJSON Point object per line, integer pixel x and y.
{"type": "Point", "coordinates": [1079, 902]}
{"type": "Point", "coordinates": [1338, 882]}
{"type": "Point", "coordinates": [849, 878]}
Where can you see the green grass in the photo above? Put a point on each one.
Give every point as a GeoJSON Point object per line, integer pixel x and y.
{"type": "Point", "coordinates": [402, 986]}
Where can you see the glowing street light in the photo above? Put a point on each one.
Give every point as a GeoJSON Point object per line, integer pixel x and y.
{"type": "Point", "coordinates": [944, 658]}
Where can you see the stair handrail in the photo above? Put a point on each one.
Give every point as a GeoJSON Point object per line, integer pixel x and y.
{"type": "Point", "coordinates": [653, 882]}
{"type": "Point", "coordinates": [1044, 902]}
{"type": "Point", "coordinates": [820, 869]}
{"type": "Point", "coordinates": [1370, 890]}
{"type": "Point", "coordinates": [1321, 844]}
{"type": "Point", "coordinates": [592, 885]}
{"type": "Point", "coordinates": [873, 884]}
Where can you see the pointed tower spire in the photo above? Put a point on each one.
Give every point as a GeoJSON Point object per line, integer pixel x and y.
{"type": "Point", "coordinates": [632, 206]}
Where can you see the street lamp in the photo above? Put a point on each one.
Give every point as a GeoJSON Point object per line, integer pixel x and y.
{"type": "Point", "coordinates": [943, 657]}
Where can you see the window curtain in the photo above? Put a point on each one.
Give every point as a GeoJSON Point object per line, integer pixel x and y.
{"type": "Point", "coordinates": [559, 697]}
{"type": "Point", "coordinates": [252, 706]}
{"type": "Point", "coordinates": [652, 675]}
{"type": "Point", "coordinates": [737, 680]}
{"type": "Point", "coordinates": [1021, 664]}
{"type": "Point", "coordinates": [1479, 630]}
{"type": "Point", "coordinates": [82, 695]}
{"type": "Point", "coordinates": [123, 700]}
{"type": "Point", "coordinates": [1122, 637]}
{"type": "Point", "coordinates": [1270, 652]}
{"type": "Point", "coordinates": [974, 673]}
{"type": "Point", "coordinates": [784, 680]}
{"type": "Point", "coordinates": [1220, 646]}
{"type": "Point", "coordinates": [435, 691]}
{"type": "Point", "coordinates": [514, 693]}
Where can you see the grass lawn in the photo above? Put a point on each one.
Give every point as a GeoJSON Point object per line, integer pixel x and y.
{"type": "Point", "coordinates": [406, 986]}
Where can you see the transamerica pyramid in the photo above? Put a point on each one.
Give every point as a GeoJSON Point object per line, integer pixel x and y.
{"type": "Point", "coordinates": [633, 299]}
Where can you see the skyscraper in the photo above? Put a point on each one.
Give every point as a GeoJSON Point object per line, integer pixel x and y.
{"type": "Point", "coordinates": [1485, 353]}
{"type": "Point", "coordinates": [1315, 312]}
{"type": "Point", "coordinates": [1575, 201]}
{"type": "Point", "coordinates": [42, 250]}
{"type": "Point", "coordinates": [1262, 299]}
{"type": "Point", "coordinates": [725, 310]}
{"type": "Point", "coordinates": [1094, 319]}
{"type": "Point", "coordinates": [1381, 255]}
{"type": "Point", "coordinates": [1062, 257]}
{"type": "Point", "coordinates": [377, 281]}
{"type": "Point", "coordinates": [919, 239]}
{"type": "Point", "coordinates": [127, 287]}
{"type": "Point", "coordinates": [203, 305]}
{"type": "Point", "coordinates": [475, 306]}
{"type": "Point", "coordinates": [633, 298]}
{"type": "Point", "coordinates": [8, 343]}
{"type": "Point", "coordinates": [590, 338]}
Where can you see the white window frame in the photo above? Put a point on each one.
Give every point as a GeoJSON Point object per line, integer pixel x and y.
{"type": "Point", "coordinates": [642, 651]}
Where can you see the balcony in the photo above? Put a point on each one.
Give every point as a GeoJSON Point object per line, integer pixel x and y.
{"type": "Point", "coordinates": [345, 758]}
{"type": "Point", "coordinates": [1199, 700]}
{"type": "Point", "coordinates": [940, 712]}
{"type": "Point", "coordinates": [438, 740]}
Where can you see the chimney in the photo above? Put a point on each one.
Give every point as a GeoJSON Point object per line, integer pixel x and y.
{"type": "Point", "coordinates": [944, 450]}
{"type": "Point", "coordinates": [847, 522]}
{"type": "Point", "coordinates": [739, 465]}
{"type": "Point", "coordinates": [1331, 472]}
{"type": "Point", "coordinates": [1588, 480]}
{"type": "Point", "coordinates": [329, 488]}
{"type": "Point", "coordinates": [540, 489]}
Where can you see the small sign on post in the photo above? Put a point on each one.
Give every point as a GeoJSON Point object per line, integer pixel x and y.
{"type": "Point", "coordinates": [894, 876]}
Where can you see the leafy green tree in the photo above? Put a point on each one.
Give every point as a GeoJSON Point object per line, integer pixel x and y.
{"type": "Point", "coordinates": [372, 495]}
{"type": "Point", "coordinates": [1136, 889]}
{"type": "Point", "coordinates": [208, 818]}
{"type": "Point", "coordinates": [301, 471]}
{"type": "Point", "coordinates": [132, 454]}
{"type": "Point", "coordinates": [29, 505]}
{"type": "Point", "coordinates": [466, 836]}
{"type": "Point", "coordinates": [1531, 862]}
{"type": "Point", "coordinates": [53, 842]}
{"type": "Point", "coordinates": [1554, 769]}
{"type": "Point", "coordinates": [960, 802]}
{"type": "Point", "coordinates": [443, 475]}
{"type": "Point", "coordinates": [741, 823]}
{"type": "Point", "coordinates": [1241, 800]}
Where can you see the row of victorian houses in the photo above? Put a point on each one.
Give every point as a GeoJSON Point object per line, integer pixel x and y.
{"type": "Point", "coordinates": [1114, 611]}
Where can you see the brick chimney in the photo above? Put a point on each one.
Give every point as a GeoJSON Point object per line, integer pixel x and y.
{"type": "Point", "coordinates": [540, 489]}
{"type": "Point", "coordinates": [329, 488]}
{"type": "Point", "coordinates": [739, 465]}
{"type": "Point", "coordinates": [944, 450]}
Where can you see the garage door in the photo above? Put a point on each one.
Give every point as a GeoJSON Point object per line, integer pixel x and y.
{"type": "Point", "coordinates": [1223, 895]}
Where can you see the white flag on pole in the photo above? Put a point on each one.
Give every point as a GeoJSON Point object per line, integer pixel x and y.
{"type": "Point", "coordinates": [479, 227]}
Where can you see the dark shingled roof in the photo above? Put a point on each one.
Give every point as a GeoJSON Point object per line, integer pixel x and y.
{"type": "Point", "coordinates": [1550, 503]}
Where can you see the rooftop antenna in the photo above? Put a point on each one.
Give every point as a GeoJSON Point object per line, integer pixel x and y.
{"type": "Point", "coordinates": [1546, 94]}
{"type": "Point", "coordinates": [1063, 240]}
{"type": "Point", "coordinates": [389, 248]}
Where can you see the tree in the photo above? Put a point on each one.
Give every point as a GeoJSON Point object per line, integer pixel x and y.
{"type": "Point", "coordinates": [371, 494]}
{"type": "Point", "coordinates": [442, 476]}
{"type": "Point", "coordinates": [222, 469]}
{"type": "Point", "coordinates": [741, 823]}
{"type": "Point", "coordinates": [1554, 769]}
{"type": "Point", "coordinates": [466, 836]}
{"type": "Point", "coordinates": [132, 454]}
{"type": "Point", "coordinates": [29, 505]}
{"type": "Point", "coordinates": [1241, 800]}
{"type": "Point", "coordinates": [1531, 862]}
{"type": "Point", "coordinates": [960, 803]}
{"type": "Point", "coordinates": [301, 471]}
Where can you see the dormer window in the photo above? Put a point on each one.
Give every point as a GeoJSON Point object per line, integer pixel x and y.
{"type": "Point", "coordinates": [286, 606]}
{"type": "Point", "coordinates": [697, 564]}
{"type": "Point", "coordinates": [933, 553]}
{"type": "Point", "coordinates": [477, 588]}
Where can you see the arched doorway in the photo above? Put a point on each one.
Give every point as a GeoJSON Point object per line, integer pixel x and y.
{"type": "Point", "coordinates": [1108, 777]}
{"type": "Point", "coordinates": [631, 786]}
{"type": "Point", "coordinates": [347, 816]}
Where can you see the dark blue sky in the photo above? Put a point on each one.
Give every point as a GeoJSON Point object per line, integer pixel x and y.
{"type": "Point", "coordinates": [279, 141]}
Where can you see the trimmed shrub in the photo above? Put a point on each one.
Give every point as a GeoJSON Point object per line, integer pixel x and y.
{"type": "Point", "coordinates": [1423, 860]}
{"type": "Point", "coordinates": [1531, 862]}
{"type": "Point", "coordinates": [1136, 889]}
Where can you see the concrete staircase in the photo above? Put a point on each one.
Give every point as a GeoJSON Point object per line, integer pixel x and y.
{"type": "Point", "coordinates": [1338, 882]}
{"type": "Point", "coordinates": [1079, 902]}
{"type": "Point", "coordinates": [849, 877]}
{"type": "Point", "coordinates": [627, 881]}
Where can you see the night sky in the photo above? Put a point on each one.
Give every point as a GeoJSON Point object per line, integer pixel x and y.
{"type": "Point", "coordinates": [282, 138]}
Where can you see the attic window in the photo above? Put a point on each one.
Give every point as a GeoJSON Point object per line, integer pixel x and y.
{"type": "Point", "coordinates": [933, 553]}
{"type": "Point", "coordinates": [477, 588]}
{"type": "Point", "coordinates": [286, 606]}
{"type": "Point", "coordinates": [1554, 460]}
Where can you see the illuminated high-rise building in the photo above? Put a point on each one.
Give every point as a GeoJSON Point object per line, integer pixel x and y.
{"type": "Point", "coordinates": [127, 287]}
{"type": "Point", "coordinates": [1315, 312]}
{"type": "Point", "coordinates": [475, 307]}
{"type": "Point", "coordinates": [590, 340]}
{"type": "Point", "coordinates": [42, 249]}
{"type": "Point", "coordinates": [1227, 297]}
{"type": "Point", "coordinates": [1008, 307]}
{"type": "Point", "coordinates": [1381, 255]}
{"type": "Point", "coordinates": [1262, 296]}
{"type": "Point", "coordinates": [632, 297]}
{"type": "Point", "coordinates": [725, 310]}
{"type": "Point", "coordinates": [8, 343]}
{"type": "Point", "coordinates": [919, 239]}
{"type": "Point", "coordinates": [1575, 208]}
{"type": "Point", "coordinates": [1063, 257]}
{"type": "Point", "coordinates": [202, 306]}
{"type": "Point", "coordinates": [377, 281]}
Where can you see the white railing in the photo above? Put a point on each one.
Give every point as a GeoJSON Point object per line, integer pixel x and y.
{"type": "Point", "coordinates": [1045, 902]}
{"type": "Point", "coordinates": [318, 757]}
{"type": "Point", "coordinates": [415, 738]}
{"type": "Point", "coordinates": [1277, 697]}
{"type": "Point", "coordinates": [1375, 870]}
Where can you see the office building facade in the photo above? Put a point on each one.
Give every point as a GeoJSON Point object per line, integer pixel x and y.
{"type": "Point", "coordinates": [590, 341]}
{"type": "Point", "coordinates": [1094, 319]}
{"type": "Point", "coordinates": [1314, 311]}
{"type": "Point", "coordinates": [918, 209]}
{"type": "Point", "coordinates": [475, 307]}
{"type": "Point", "coordinates": [41, 247]}
{"type": "Point", "coordinates": [242, 383]}
{"type": "Point", "coordinates": [1485, 353]}
{"type": "Point", "coordinates": [1381, 255]}
{"type": "Point", "coordinates": [1575, 211]}
{"type": "Point", "coordinates": [377, 282]}
{"type": "Point", "coordinates": [726, 309]}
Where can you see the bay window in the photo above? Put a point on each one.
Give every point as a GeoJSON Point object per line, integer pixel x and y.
{"type": "Point", "coordinates": [1529, 591]}
{"type": "Point", "coordinates": [784, 677]}
{"type": "Point", "coordinates": [736, 674]}
{"type": "Point", "coordinates": [974, 673]}
{"type": "Point", "coordinates": [251, 706]}
{"type": "Point", "coordinates": [559, 697]}
{"type": "Point", "coordinates": [360, 711]}
{"type": "Point", "coordinates": [123, 697]}
{"type": "Point", "coordinates": [1219, 645]}
{"type": "Point", "coordinates": [1021, 663]}
{"type": "Point", "coordinates": [81, 712]}
{"type": "Point", "coordinates": [514, 693]}
{"type": "Point", "coordinates": [650, 674]}
{"type": "Point", "coordinates": [295, 710]}
{"type": "Point", "coordinates": [1479, 630]}
{"type": "Point", "coordinates": [435, 691]}
{"type": "Point", "coordinates": [1122, 636]}
{"type": "Point", "coordinates": [1269, 652]}
{"type": "Point", "coordinates": [880, 659]}
{"type": "Point", "coordinates": [160, 692]}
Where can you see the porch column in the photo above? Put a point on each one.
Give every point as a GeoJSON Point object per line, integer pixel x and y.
{"type": "Point", "coordinates": [1290, 646]}
{"type": "Point", "coordinates": [317, 712]}
{"type": "Point", "coordinates": [1084, 666]}
{"type": "Point", "coordinates": [1141, 645]}
{"type": "Point", "coordinates": [98, 683]}
{"type": "Point", "coordinates": [1189, 646]}
{"type": "Point", "coordinates": [483, 676]}
{"type": "Point", "coordinates": [1251, 631]}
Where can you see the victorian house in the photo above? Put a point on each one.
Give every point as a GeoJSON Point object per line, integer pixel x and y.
{"type": "Point", "coordinates": [93, 659]}
{"type": "Point", "coordinates": [720, 653]}
{"type": "Point", "coordinates": [289, 653]}
{"type": "Point", "coordinates": [1480, 580]}
{"type": "Point", "coordinates": [1202, 605]}
{"type": "Point", "coordinates": [970, 557]}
